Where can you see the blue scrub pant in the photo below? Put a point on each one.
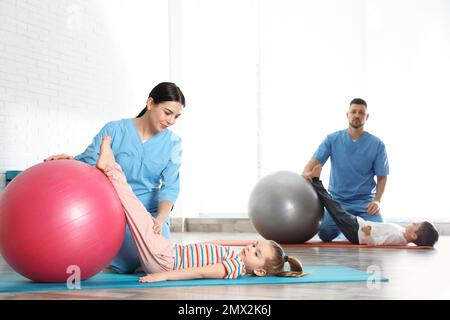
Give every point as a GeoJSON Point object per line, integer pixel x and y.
{"type": "Point", "coordinates": [329, 230]}
{"type": "Point", "coordinates": [127, 260]}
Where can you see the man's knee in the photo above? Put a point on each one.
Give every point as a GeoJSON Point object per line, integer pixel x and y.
{"type": "Point", "coordinates": [327, 234]}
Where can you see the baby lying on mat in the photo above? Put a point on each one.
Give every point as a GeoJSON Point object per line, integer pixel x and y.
{"type": "Point", "coordinates": [360, 231]}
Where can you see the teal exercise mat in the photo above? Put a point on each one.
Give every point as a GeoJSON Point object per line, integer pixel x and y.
{"type": "Point", "coordinates": [106, 280]}
{"type": "Point", "coordinates": [317, 274]}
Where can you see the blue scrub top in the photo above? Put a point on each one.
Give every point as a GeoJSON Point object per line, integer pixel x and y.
{"type": "Point", "coordinates": [151, 167]}
{"type": "Point", "coordinates": [353, 165]}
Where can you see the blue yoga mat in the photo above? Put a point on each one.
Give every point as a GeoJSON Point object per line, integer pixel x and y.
{"type": "Point", "coordinates": [17, 283]}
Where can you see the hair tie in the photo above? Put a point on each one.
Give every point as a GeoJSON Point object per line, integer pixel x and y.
{"type": "Point", "coordinates": [286, 258]}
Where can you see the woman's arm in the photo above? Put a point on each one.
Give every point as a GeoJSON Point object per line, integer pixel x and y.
{"type": "Point", "coordinates": [170, 187]}
{"type": "Point", "coordinates": [214, 271]}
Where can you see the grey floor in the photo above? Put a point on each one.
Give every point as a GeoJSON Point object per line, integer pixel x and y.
{"type": "Point", "coordinates": [413, 274]}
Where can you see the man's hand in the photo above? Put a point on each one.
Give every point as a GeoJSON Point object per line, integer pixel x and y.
{"type": "Point", "coordinates": [307, 175]}
{"type": "Point", "coordinates": [314, 173]}
{"type": "Point", "coordinates": [373, 208]}
{"type": "Point", "coordinates": [154, 277]}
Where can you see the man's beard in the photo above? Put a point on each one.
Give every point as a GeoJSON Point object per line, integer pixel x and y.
{"type": "Point", "coordinates": [356, 126]}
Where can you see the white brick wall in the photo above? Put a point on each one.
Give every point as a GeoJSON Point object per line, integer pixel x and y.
{"type": "Point", "coordinates": [68, 67]}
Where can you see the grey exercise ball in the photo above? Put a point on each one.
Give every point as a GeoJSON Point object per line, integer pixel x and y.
{"type": "Point", "coordinates": [284, 207]}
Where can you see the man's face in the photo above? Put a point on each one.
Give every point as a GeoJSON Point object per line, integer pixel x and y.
{"type": "Point", "coordinates": [357, 115]}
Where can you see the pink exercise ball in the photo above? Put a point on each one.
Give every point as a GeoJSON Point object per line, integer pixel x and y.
{"type": "Point", "coordinates": [60, 217]}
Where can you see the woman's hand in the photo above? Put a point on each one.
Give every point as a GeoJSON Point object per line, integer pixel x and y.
{"type": "Point", "coordinates": [154, 277]}
{"type": "Point", "coordinates": [157, 226]}
{"type": "Point", "coordinates": [61, 156]}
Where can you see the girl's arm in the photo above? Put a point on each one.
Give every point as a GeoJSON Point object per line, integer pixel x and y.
{"type": "Point", "coordinates": [210, 271]}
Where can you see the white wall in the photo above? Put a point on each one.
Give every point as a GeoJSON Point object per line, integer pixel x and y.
{"type": "Point", "coordinates": [313, 64]}
{"type": "Point", "coordinates": [215, 64]}
{"type": "Point", "coordinates": [68, 67]}
{"type": "Point", "coordinates": [318, 55]}
{"type": "Point", "coordinates": [264, 80]}
{"type": "Point", "coordinates": [311, 59]}
{"type": "Point", "coordinates": [408, 52]}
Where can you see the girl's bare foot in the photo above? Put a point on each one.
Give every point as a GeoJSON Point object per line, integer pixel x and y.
{"type": "Point", "coordinates": [106, 156]}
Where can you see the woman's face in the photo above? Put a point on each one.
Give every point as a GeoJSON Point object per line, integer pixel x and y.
{"type": "Point", "coordinates": [163, 114]}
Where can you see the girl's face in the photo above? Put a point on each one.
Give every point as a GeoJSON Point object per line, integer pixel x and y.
{"type": "Point", "coordinates": [163, 114]}
{"type": "Point", "coordinates": [254, 257]}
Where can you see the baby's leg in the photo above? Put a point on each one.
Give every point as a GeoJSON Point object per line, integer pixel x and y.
{"type": "Point", "coordinates": [155, 252]}
{"type": "Point", "coordinates": [346, 222]}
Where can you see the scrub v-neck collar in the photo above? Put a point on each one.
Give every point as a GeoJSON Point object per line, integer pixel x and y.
{"type": "Point", "coordinates": [138, 137]}
{"type": "Point", "coordinates": [357, 140]}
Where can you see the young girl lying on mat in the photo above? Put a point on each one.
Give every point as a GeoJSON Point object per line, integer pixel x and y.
{"type": "Point", "coordinates": [360, 231]}
{"type": "Point", "coordinates": [164, 260]}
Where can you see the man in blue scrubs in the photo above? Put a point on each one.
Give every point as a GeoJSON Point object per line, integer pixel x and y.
{"type": "Point", "coordinates": [356, 158]}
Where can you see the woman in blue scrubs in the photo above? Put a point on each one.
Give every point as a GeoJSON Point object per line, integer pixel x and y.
{"type": "Point", "coordinates": [149, 154]}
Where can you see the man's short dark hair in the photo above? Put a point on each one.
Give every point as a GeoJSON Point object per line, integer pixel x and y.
{"type": "Point", "coordinates": [358, 101]}
{"type": "Point", "coordinates": [427, 235]}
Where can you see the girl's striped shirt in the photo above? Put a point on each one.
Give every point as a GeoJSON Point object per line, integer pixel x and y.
{"type": "Point", "coordinates": [203, 254]}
